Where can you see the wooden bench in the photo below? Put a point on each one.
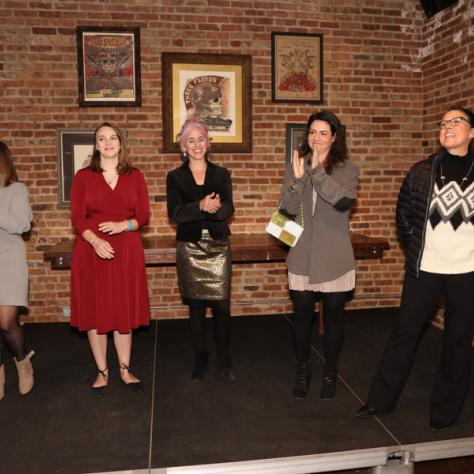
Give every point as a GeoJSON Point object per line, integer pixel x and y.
{"type": "Point", "coordinates": [254, 248]}
{"type": "Point", "coordinates": [161, 251]}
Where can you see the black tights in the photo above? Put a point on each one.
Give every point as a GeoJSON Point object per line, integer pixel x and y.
{"type": "Point", "coordinates": [333, 317]}
{"type": "Point", "coordinates": [222, 327]}
{"type": "Point", "coordinates": [11, 332]}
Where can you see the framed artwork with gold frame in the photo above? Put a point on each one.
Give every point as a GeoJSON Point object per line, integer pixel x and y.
{"type": "Point", "coordinates": [216, 88]}
{"type": "Point", "coordinates": [297, 67]}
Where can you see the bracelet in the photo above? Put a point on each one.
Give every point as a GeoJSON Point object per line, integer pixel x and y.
{"type": "Point", "coordinates": [93, 240]}
{"type": "Point", "coordinates": [130, 225]}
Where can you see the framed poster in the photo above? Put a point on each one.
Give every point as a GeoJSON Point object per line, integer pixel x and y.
{"type": "Point", "coordinates": [297, 67]}
{"type": "Point", "coordinates": [294, 138]}
{"type": "Point", "coordinates": [108, 65]}
{"type": "Point", "coordinates": [216, 88]}
{"type": "Point", "coordinates": [74, 150]}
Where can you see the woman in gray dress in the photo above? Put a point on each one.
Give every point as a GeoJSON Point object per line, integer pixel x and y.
{"type": "Point", "coordinates": [15, 218]}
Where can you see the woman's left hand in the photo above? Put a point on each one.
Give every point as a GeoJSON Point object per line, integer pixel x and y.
{"type": "Point", "coordinates": [113, 228]}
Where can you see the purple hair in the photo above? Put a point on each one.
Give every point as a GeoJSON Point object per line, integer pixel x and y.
{"type": "Point", "coordinates": [186, 129]}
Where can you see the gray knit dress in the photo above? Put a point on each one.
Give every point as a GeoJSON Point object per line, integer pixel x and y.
{"type": "Point", "coordinates": [15, 218]}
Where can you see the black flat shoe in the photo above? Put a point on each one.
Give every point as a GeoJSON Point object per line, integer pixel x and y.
{"type": "Point", "coordinates": [225, 373]}
{"type": "Point", "coordinates": [133, 386]}
{"type": "Point", "coordinates": [366, 412]}
{"type": "Point", "coordinates": [303, 381]}
{"type": "Point", "coordinates": [99, 390]}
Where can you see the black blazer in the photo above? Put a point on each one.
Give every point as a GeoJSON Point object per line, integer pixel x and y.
{"type": "Point", "coordinates": [183, 198]}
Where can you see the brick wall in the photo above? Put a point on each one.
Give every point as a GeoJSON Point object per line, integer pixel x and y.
{"type": "Point", "coordinates": [381, 66]}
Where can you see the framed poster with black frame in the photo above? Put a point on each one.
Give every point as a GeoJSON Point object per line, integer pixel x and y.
{"type": "Point", "coordinates": [108, 65]}
{"type": "Point", "coordinates": [74, 151]}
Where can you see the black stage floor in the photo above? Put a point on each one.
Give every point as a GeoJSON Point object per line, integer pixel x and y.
{"type": "Point", "coordinates": [63, 427]}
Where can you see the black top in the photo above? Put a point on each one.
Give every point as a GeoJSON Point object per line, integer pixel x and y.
{"type": "Point", "coordinates": [183, 196]}
{"type": "Point", "coordinates": [455, 168]}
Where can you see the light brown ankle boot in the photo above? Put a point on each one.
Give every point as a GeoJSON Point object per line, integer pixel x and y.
{"type": "Point", "coordinates": [25, 373]}
{"type": "Point", "coordinates": [2, 381]}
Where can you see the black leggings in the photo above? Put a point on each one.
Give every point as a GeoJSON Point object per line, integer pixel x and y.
{"type": "Point", "coordinates": [222, 327]}
{"type": "Point", "coordinates": [333, 317]}
{"type": "Point", "coordinates": [11, 332]}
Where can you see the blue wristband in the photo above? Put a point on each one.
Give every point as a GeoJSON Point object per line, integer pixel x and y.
{"type": "Point", "coordinates": [130, 226]}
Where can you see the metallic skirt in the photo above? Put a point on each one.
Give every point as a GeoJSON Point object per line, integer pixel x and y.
{"type": "Point", "coordinates": [204, 268]}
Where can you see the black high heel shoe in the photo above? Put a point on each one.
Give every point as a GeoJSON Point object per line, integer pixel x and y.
{"type": "Point", "coordinates": [135, 386]}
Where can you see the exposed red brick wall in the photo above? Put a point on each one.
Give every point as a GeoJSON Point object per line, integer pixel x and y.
{"type": "Point", "coordinates": [380, 78]}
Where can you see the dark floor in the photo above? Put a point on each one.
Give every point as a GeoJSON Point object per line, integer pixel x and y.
{"type": "Point", "coordinates": [62, 427]}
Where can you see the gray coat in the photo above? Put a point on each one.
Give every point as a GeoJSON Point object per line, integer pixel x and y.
{"type": "Point", "coordinates": [324, 251]}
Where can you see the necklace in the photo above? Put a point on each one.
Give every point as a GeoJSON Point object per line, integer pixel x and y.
{"type": "Point", "coordinates": [463, 181]}
{"type": "Point", "coordinates": [110, 179]}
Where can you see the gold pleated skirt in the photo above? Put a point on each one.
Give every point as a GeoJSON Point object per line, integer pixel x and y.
{"type": "Point", "coordinates": [204, 268]}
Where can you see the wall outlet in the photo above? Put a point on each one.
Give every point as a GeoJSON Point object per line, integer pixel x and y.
{"type": "Point", "coordinates": [66, 311]}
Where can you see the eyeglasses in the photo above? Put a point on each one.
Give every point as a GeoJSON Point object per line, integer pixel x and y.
{"type": "Point", "coordinates": [455, 122]}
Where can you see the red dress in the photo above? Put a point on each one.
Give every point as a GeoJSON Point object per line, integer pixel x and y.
{"type": "Point", "coordinates": [111, 294]}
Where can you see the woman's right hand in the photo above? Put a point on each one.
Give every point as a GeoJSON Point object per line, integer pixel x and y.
{"type": "Point", "coordinates": [103, 249]}
{"type": "Point", "coordinates": [298, 165]}
{"type": "Point", "coordinates": [211, 203]}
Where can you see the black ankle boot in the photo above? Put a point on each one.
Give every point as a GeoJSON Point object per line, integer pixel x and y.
{"type": "Point", "coordinates": [328, 389]}
{"type": "Point", "coordinates": [303, 380]}
{"type": "Point", "coordinates": [201, 364]}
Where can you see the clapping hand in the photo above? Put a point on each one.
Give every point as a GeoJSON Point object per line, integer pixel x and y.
{"type": "Point", "coordinates": [315, 158]}
{"type": "Point", "coordinates": [298, 165]}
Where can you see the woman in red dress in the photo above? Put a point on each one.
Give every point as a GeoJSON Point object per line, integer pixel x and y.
{"type": "Point", "coordinates": [109, 204]}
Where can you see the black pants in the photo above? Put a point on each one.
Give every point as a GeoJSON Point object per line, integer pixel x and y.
{"type": "Point", "coordinates": [222, 327]}
{"type": "Point", "coordinates": [333, 317]}
{"type": "Point", "coordinates": [452, 379]}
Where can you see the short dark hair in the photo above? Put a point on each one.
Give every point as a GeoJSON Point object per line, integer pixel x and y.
{"type": "Point", "coordinates": [7, 168]}
{"type": "Point", "coordinates": [468, 112]}
{"type": "Point", "coordinates": [338, 151]}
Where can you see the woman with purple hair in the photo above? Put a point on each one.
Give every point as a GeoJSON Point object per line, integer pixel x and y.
{"type": "Point", "coordinates": [199, 198]}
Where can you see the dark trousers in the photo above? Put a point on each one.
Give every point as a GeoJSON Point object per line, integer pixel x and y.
{"type": "Point", "coordinates": [419, 297]}
{"type": "Point", "coordinates": [222, 327]}
{"type": "Point", "coordinates": [333, 317]}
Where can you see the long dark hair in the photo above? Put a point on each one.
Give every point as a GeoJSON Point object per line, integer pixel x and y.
{"type": "Point", "coordinates": [7, 168]}
{"type": "Point", "coordinates": [124, 163]}
{"type": "Point", "coordinates": [338, 151]}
